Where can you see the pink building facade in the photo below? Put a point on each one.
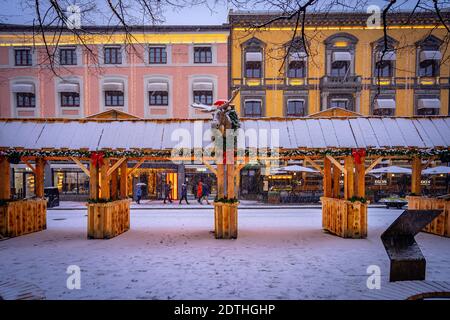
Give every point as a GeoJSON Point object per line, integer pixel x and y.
{"type": "Point", "coordinates": [158, 76]}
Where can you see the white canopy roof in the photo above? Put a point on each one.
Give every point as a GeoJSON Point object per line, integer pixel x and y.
{"type": "Point", "coordinates": [437, 170]}
{"type": "Point", "coordinates": [354, 132]}
{"type": "Point", "coordinates": [113, 86]}
{"type": "Point", "coordinates": [384, 104]}
{"type": "Point", "coordinates": [342, 56]}
{"type": "Point", "coordinates": [298, 168]}
{"type": "Point", "coordinates": [429, 104]}
{"type": "Point", "coordinates": [158, 86]}
{"type": "Point", "coordinates": [23, 88]}
{"type": "Point", "coordinates": [68, 87]}
{"type": "Point", "coordinates": [430, 55]}
{"type": "Point", "coordinates": [203, 86]}
{"type": "Point", "coordinates": [253, 56]}
{"type": "Point", "coordinates": [391, 169]}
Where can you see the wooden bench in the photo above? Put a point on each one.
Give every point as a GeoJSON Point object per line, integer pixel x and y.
{"type": "Point", "coordinates": [410, 290]}
{"type": "Point", "coordinates": [20, 290]}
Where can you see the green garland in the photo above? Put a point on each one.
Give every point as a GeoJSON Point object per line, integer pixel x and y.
{"type": "Point", "coordinates": [14, 154]}
{"type": "Point", "coordinates": [226, 200]}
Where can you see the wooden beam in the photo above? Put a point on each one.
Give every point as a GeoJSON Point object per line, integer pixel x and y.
{"type": "Point", "coordinates": [336, 163]}
{"type": "Point", "coordinates": [210, 167]}
{"type": "Point", "coordinates": [416, 175]}
{"type": "Point", "coordinates": [137, 165]}
{"type": "Point", "coordinates": [115, 166]}
{"type": "Point", "coordinates": [231, 184]}
{"type": "Point", "coordinates": [360, 179]}
{"type": "Point", "coordinates": [81, 166]}
{"type": "Point", "coordinates": [349, 177]}
{"type": "Point", "coordinates": [336, 184]}
{"type": "Point", "coordinates": [5, 179]}
{"type": "Point", "coordinates": [114, 176]}
{"type": "Point", "coordinates": [123, 180]}
{"type": "Point", "coordinates": [39, 178]}
{"type": "Point", "coordinates": [373, 164]}
{"type": "Point", "coordinates": [104, 180]}
{"type": "Point", "coordinates": [93, 182]}
{"type": "Point", "coordinates": [220, 180]}
{"type": "Point", "coordinates": [327, 178]}
{"type": "Point", "coordinates": [29, 165]}
{"type": "Point", "coordinates": [315, 165]}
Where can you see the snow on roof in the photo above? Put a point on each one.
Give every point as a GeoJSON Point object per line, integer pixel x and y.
{"type": "Point", "coordinates": [301, 133]}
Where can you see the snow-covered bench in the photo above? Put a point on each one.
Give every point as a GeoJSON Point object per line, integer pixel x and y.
{"type": "Point", "coordinates": [411, 290]}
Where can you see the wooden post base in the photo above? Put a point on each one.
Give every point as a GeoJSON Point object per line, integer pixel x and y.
{"type": "Point", "coordinates": [439, 226]}
{"type": "Point", "coordinates": [225, 220]}
{"type": "Point", "coordinates": [108, 220]}
{"type": "Point", "coordinates": [344, 218]}
{"type": "Point", "coordinates": [22, 217]}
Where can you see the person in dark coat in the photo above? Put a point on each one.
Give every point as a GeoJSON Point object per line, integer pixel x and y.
{"type": "Point", "coordinates": [138, 194]}
{"type": "Point", "coordinates": [168, 192]}
{"type": "Point", "coordinates": [205, 192]}
{"type": "Point", "coordinates": [184, 193]}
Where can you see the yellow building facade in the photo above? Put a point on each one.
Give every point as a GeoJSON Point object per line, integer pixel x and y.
{"type": "Point", "coordinates": [341, 63]}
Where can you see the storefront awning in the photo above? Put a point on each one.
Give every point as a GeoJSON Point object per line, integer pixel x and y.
{"type": "Point", "coordinates": [384, 104]}
{"type": "Point", "coordinates": [158, 86]}
{"type": "Point", "coordinates": [342, 56]}
{"type": "Point", "coordinates": [208, 86]}
{"type": "Point", "coordinates": [253, 56]}
{"type": "Point", "coordinates": [113, 86]}
{"type": "Point", "coordinates": [430, 55]}
{"type": "Point", "coordinates": [68, 87]}
{"type": "Point", "coordinates": [23, 88]}
{"type": "Point", "coordinates": [429, 104]}
{"type": "Point", "coordinates": [388, 56]}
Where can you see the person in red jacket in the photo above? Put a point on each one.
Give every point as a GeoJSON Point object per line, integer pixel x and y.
{"type": "Point", "coordinates": [199, 192]}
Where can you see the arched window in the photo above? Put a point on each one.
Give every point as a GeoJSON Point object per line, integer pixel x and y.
{"type": "Point", "coordinates": [384, 58]}
{"type": "Point", "coordinates": [253, 58]}
{"type": "Point", "coordinates": [340, 55]}
{"type": "Point", "coordinates": [296, 60]}
{"type": "Point", "coordinates": [429, 57]}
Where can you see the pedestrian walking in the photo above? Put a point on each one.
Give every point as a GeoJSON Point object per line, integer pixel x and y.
{"type": "Point", "coordinates": [138, 195]}
{"type": "Point", "coordinates": [205, 192]}
{"type": "Point", "coordinates": [184, 193]}
{"type": "Point", "coordinates": [168, 192]}
{"type": "Point", "coordinates": [199, 192]}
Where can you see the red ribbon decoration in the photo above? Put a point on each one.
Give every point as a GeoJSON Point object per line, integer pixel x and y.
{"type": "Point", "coordinates": [97, 158]}
{"type": "Point", "coordinates": [358, 154]}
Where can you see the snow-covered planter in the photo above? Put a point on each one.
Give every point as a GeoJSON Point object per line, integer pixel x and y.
{"type": "Point", "coordinates": [225, 219]}
{"type": "Point", "coordinates": [440, 225]}
{"type": "Point", "coordinates": [347, 219]}
{"type": "Point", "coordinates": [22, 216]}
{"type": "Point", "coordinates": [108, 219]}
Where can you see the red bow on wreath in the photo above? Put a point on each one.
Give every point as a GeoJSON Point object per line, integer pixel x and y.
{"type": "Point", "coordinates": [97, 158]}
{"type": "Point", "coordinates": [357, 154]}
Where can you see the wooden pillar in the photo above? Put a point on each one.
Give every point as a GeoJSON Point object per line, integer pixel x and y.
{"type": "Point", "coordinates": [220, 180]}
{"type": "Point", "coordinates": [124, 180]}
{"type": "Point", "coordinates": [5, 178]}
{"type": "Point", "coordinates": [104, 180]}
{"type": "Point", "coordinates": [93, 182]}
{"type": "Point", "coordinates": [327, 178]}
{"type": "Point", "coordinates": [114, 183]}
{"type": "Point", "coordinates": [360, 179]}
{"type": "Point", "coordinates": [230, 181]}
{"type": "Point", "coordinates": [416, 175]}
{"type": "Point", "coordinates": [336, 185]}
{"type": "Point", "coordinates": [39, 177]}
{"type": "Point", "coordinates": [349, 177]}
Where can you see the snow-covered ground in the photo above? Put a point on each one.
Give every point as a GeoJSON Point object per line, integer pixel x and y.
{"type": "Point", "coordinates": [171, 254]}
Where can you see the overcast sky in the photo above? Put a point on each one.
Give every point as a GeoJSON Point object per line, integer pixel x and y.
{"type": "Point", "coordinates": [20, 11]}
